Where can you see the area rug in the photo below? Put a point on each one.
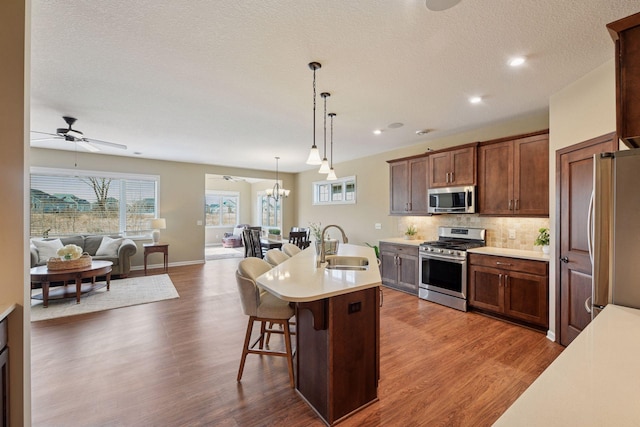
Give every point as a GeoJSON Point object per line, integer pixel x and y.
{"type": "Point", "coordinates": [212, 253]}
{"type": "Point", "coordinates": [123, 293]}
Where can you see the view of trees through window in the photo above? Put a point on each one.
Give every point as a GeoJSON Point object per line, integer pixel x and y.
{"type": "Point", "coordinates": [271, 211]}
{"type": "Point", "coordinates": [221, 209]}
{"type": "Point", "coordinates": [64, 204]}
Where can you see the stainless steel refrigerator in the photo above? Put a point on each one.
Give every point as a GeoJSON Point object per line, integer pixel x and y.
{"type": "Point", "coordinates": [614, 230]}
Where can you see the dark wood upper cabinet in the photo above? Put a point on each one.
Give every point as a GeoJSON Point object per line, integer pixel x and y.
{"type": "Point", "coordinates": [513, 176]}
{"type": "Point", "coordinates": [408, 186]}
{"type": "Point", "coordinates": [454, 167]}
{"type": "Point", "coordinates": [626, 35]}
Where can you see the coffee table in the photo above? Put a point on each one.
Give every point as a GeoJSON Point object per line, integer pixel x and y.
{"type": "Point", "coordinates": [42, 275]}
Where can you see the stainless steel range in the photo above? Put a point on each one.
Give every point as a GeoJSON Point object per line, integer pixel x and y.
{"type": "Point", "coordinates": [443, 265]}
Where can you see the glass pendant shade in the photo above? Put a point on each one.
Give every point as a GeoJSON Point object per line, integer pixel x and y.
{"type": "Point", "coordinates": [332, 175]}
{"type": "Point", "coordinates": [314, 156]}
{"type": "Point", "coordinates": [324, 167]}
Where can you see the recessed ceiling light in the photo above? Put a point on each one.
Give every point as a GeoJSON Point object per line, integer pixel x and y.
{"type": "Point", "coordinates": [517, 61]}
{"type": "Point", "coordinates": [475, 99]}
{"type": "Point", "coordinates": [422, 132]}
{"type": "Point", "coordinates": [377, 131]}
{"type": "Point", "coordinates": [395, 125]}
{"type": "Point", "coordinates": [137, 153]}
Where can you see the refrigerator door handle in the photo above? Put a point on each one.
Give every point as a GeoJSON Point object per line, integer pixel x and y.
{"type": "Point", "coordinates": [590, 226]}
{"type": "Point", "coordinates": [587, 305]}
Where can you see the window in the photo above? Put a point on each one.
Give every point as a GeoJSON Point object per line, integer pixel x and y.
{"type": "Point", "coordinates": [341, 191]}
{"type": "Point", "coordinates": [67, 202]}
{"type": "Point", "coordinates": [270, 211]}
{"type": "Point", "coordinates": [221, 208]}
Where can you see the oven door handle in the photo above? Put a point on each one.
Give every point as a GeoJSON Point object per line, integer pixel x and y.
{"type": "Point", "coordinates": [443, 258]}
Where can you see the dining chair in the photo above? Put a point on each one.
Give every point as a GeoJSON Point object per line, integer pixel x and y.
{"type": "Point", "coordinates": [290, 249]}
{"type": "Point", "coordinates": [299, 238]}
{"type": "Point", "coordinates": [251, 240]}
{"type": "Point", "coordinates": [275, 257]}
{"type": "Point", "coordinates": [262, 306]}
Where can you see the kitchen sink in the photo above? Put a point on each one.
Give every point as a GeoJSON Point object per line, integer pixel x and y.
{"type": "Point", "coordinates": [340, 262]}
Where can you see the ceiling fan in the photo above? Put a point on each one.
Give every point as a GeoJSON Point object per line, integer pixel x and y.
{"type": "Point", "coordinates": [73, 135]}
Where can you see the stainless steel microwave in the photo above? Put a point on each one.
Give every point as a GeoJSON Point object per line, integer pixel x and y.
{"type": "Point", "coordinates": [452, 200]}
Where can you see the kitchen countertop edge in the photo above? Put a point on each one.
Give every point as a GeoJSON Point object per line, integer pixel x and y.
{"type": "Point", "coordinates": [511, 253]}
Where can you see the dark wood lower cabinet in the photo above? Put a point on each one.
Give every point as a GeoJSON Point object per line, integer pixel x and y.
{"type": "Point", "coordinates": [515, 289]}
{"type": "Point", "coordinates": [338, 353]}
{"type": "Point", "coordinates": [400, 267]}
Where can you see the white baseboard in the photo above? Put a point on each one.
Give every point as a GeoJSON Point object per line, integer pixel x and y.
{"type": "Point", "coordinates": [551, 335]}
{"type": "Point", "coordinates": [171, 264]}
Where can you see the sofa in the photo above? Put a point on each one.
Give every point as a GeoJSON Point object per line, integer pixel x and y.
{"type": "Point", "coordinates": [116, 249]}
{"type": "Point", "coordinates": [234, 240]}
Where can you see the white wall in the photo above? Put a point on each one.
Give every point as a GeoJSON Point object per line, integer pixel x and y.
{"type": "Point", "coordinates": [583, 110]}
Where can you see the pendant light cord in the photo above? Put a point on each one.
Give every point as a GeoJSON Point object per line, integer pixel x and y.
{"type": "Point", "coordinates": [314, 106]}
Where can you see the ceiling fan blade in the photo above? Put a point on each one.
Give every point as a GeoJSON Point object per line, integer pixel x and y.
{"type": "Point", "coordinates": [108, 144]}
{"type": "Point", "coordinates": [87, 145]}
{"type": "Point", "coordinates": [53, 138]}
{"type": "Point", "coordinates": [44, 133]}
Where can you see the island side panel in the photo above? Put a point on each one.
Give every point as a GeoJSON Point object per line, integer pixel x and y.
{"type": "Point", "coordinates": [353, 338]}
{"type": "Point", "coordinates": [312, 354]}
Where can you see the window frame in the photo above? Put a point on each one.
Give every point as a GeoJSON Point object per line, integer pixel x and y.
{"type": "Point", "coordinates": [222, 193]}
{"type": "Point", "coordinates": [279, 211]}
{"type": "Point", "coordinates": [122, 211]}
{"type": "Point", "coordinates": [318, 186]}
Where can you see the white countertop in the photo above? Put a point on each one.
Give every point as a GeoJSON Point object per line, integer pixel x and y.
{"type": "Point", "coordinates": [299, 280]}
{"type": "Point", "coordinates": [594, 382]}
{"type": "Point", "coordinates": [512, 253]}
{"type": "Point", "coordinates": [6, 309]}
{"type": "Point", "coordinates": [402, 241]}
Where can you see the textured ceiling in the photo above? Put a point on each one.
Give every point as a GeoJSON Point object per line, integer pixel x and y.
{"type": "Point", "coordinates": [226, 82]}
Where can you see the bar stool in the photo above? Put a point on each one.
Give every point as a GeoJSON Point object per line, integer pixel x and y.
{"type": "Point", "coordinates": [275, 257]}
{"type": "Point", "coordinates": [263, 307]}
{"type": "Point", "coordinates": [290, 249]}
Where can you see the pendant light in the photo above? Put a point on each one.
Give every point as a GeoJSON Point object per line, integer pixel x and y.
{"type": "Point", "coordinates": [277, 192]}
{"type": "Point", "coordinates": [332, 173]}
{"type": "Point", "coordinates": [314, 156]}
{"type": "Point", "coordinates": [324, 167]}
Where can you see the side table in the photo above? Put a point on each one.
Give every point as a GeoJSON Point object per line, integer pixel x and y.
{"type": "Point", "coordinates": [150, 248]}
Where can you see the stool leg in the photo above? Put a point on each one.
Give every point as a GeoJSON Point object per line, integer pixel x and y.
{"type": "Point", "coordinates": [287, 343]}
{"type": "Point", "coordinates": [245, 348]}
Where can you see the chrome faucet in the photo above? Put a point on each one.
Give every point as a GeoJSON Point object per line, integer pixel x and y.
{"type": "Point", "coordinates": [322, 249]}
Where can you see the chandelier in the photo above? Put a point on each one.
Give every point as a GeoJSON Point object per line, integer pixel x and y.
{"type": "Point", "coordinates": [277, 192]}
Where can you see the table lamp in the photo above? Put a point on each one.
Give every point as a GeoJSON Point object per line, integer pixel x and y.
{"type": "Point", "coordinates": [157, 224]}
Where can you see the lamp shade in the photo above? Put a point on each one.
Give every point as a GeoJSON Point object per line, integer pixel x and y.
{"type": "Point", "coordinates": [158, 223]}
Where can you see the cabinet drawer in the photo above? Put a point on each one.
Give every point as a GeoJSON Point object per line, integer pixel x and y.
{"type": "Point", "coordinates": [400, 249]}
{"type": "Point", "coordinates": [539, 268]}
{"type": "Point", "coordinates": [3, 333]}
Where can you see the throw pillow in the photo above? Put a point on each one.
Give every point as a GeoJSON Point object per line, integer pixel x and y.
{"type": "Point", "coordinates": [109, 247]}
{"type": "Point", "coordinates": [47, 249]}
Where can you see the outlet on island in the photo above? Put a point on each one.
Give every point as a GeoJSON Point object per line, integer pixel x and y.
{"type": "Point", "coordinates": [512, 234]}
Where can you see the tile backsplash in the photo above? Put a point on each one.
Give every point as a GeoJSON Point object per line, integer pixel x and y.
{"type": "Point", "coordinates": [498, 228]}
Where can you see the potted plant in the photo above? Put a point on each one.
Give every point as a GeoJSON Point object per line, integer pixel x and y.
{"type": "Point", "coordinates": [274, 234]}
{"type": "Point", "coordinates": [411, 232]}
{"type": "Point", "coordinates": [543, 239]}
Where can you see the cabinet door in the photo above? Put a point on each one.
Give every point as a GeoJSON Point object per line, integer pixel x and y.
{"type": "Point", "coordinates": [531, 175]}
{"type": "Point", "coordinates": [463, 167]}
{"type": "Point", "coordinates": [408, 273]}
{"type": "Point", "coordinates": [418, 186]}
{"type": "Point", "coordinates": [526, 297]}
{"type": "Point", "coordinates": [399, 191]}
{"type": "Point", "coordinates": [389, 266]}
{"type": "Point", "coordinates": [485, 288]}
{"type": "Point", "coordinates": [439, 169]}
{"type": "Point", "coordinates": [495, 179]}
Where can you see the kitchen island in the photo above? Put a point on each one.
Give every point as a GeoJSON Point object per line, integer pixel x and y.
{"type": "Point", "coordinates": [337, 329]}
{"type": "Point", "coordinates": [594, 382]}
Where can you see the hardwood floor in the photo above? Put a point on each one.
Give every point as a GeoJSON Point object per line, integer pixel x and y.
{"type": "Point", "coordinates": [174, 363]}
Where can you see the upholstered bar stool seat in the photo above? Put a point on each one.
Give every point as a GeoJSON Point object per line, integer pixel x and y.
{"type": "Point", "coordinates": [275, 257]}
{"type": "Point", "coordinates": [263, 307]}
{"type": "Point", "coordinates": [290, 249]}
